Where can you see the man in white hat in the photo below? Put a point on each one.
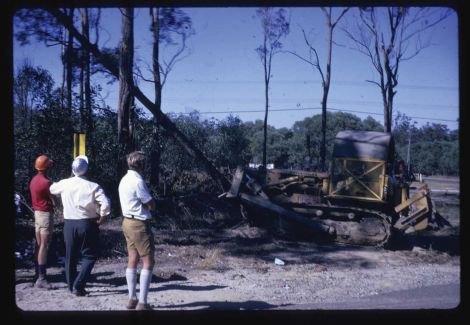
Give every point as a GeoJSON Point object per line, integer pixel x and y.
{"type": "Point", "coordinates": [85, 208]}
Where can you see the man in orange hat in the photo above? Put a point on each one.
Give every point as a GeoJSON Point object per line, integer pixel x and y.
{"type": "Point", "coordinates": [43, 220]}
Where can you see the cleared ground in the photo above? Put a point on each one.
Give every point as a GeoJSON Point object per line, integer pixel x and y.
{"type": "Point", "coordinates": [233, 268]}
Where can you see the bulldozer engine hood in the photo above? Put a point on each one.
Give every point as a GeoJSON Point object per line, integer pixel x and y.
{"type": "Point", "coordinates": [363, 144]}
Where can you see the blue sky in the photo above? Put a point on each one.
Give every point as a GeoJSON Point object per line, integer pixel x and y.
{"type": "Point", "coordinates": [224, 73]}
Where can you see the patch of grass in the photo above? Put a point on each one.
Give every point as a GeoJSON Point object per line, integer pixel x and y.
{"type": "Point", "coordinates": [211, 259]}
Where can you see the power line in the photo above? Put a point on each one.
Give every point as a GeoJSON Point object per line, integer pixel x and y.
{"type": "Point", "coordinates": [339, 82]}
{"type": "Point", "coordinates": [313, 108]}
{"type": "Point", "coordinates": [415, 117]}
{"type": "Point", "coordinates": [288, 100]}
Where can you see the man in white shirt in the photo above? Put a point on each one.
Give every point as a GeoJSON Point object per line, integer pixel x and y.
{"type": "Point", "coordinates": [136, 204]}
{"type": "Point", "coordinates": [85, 208]}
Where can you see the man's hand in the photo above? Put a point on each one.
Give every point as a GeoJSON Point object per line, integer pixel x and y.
{"type": "Point", "coordinates": [150, 205]}
{"type": "Point", "coordinates": [101, 220]}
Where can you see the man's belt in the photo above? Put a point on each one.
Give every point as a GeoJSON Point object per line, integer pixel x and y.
{"type": "Point", "coordinates": [134, 217]}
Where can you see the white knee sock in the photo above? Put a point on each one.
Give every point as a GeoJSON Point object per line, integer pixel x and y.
{"type": "Point", "coordinates": [131, 277]}
{"type": "Point", "coordinates": [145, 279]}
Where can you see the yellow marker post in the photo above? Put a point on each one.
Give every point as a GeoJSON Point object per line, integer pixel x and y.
{"type": "Point", "coordinates": [79, 144]}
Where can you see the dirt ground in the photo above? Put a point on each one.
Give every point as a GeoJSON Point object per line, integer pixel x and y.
{"type": "Point", "coordinates": [233, 268]}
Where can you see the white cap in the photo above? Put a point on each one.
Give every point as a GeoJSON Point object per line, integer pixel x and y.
{"type": "Point", "coordinates": [80, 165]}
{"type": "Point", "coordinates": [83, 157]}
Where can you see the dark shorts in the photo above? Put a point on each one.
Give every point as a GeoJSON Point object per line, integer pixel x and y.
{"type": "Point", "coordinates": [138, 236]}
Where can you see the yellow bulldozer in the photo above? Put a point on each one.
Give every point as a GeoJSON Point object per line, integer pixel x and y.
{"type": "Point", "coordinates": [363, 199]}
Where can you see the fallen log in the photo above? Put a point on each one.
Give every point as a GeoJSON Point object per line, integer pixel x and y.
{"type": "Point", "coordinates": [315, 225]}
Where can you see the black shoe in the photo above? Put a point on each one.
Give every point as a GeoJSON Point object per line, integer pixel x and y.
{"type": "Point", "coordinates": [80, 293]}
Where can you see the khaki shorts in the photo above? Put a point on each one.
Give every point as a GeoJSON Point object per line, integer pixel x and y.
{"type": "Point", "coordinates": [43, 222]}
{"type": "Point", "coordinates": [139, 236]}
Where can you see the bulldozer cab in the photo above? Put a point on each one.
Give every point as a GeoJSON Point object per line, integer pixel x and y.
{"type": "Point", "coordinates": [360, 165]}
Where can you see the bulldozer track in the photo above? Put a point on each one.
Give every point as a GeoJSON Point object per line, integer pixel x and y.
{"type": "Point", "coordinates": [367, 227]}
{"type": "Point", "coordinates": [360, 231]}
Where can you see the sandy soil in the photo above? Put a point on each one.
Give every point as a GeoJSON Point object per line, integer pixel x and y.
{"type": "Point", "coordinates": [233, 268]}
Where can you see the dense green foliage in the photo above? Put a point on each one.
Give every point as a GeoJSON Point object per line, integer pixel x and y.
{"type": "Point", "coordinates": [41, 126]}
{"type": "Point", "coordinates": [434, 149]}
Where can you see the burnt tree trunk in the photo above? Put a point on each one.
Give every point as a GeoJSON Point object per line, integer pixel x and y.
{"type": "Point", "coordinates": [383, 91]}
{"type": "Point", "coordinates": [327, 80]}
{"type": "Point", "coordinates": [326, 89]}
{"type": "Point", "coordinates": [64, 68]}
{"type": "Point", "coordinates": [155, 152]}
{"type": "Point", "coordinates": [87, 76]}
{"type": "Point", "coordinates": [265, 124]}
{"type": "Point", "coordinates": [69, 57]}
{"type": "Point", "coordinates": [390, 93]}
{"type": "Point", "coordinates": [82, 80]}
{"type": "Point", "coordinates": [126, 56]}
{"type": "Point", "coordinates": [266, 97]}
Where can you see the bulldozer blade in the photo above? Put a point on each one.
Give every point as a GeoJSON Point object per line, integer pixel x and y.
{"type": "Point", "coordinates": [417, 219]}
{"type": "Point", "coordinates": [420, 212]}
{"type": "Point", "coordinates": [405, 204]}
{"type": "Point", "coordinates": [439, 220]}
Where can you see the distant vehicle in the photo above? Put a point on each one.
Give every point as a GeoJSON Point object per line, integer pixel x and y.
{"type": "Point", "coordinates": [253, 165]}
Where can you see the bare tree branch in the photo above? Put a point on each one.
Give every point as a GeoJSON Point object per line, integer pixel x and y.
{"type": "Point", "coordinates": [359, 44]}
{"type": "Point", "coordinates": [388, 50]}
{"type": "Point", "coordinates": [374, 82]}
{"type": "Point", "coordinates": [340, 16]}
{"type": "Point", "coordinates": [427, 26]}
{"type": "Point", "coordinates": [138, 73]}
{"type": "Point", "coordinates": [174, 59]}
{"type": "Point", "coordinates": [302, 58]}
{"type": "Point", "coordinates": [312, 49]}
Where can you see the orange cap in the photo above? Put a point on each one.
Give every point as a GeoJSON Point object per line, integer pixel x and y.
{"type": "Point", "coordinates": [43, 162]}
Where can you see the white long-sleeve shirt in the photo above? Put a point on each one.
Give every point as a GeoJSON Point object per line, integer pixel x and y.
{"type": "Point", "coordinates": [133, 194]}
{"type": "Point", "coordinates": [81, 198]}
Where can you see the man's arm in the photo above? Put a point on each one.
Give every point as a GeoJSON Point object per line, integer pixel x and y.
{"type": "Point", "coordinates": [52, 196]}
{"type": "Point", "coordinates": [55, 188]}
{"type": "Point", "coordinates": [150, 205]}
{"type": "Point", "coordinates": [145, 197]}
{"type": "Point", "coordinates": [105, 206]}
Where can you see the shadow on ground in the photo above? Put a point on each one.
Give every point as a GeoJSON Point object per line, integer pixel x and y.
{"type": "Point", "coordinates": [187, 287]}
{"type": "Point", "coordinates": [223, 305]}
{"type": "Point", "coordinates": [446, 240]}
